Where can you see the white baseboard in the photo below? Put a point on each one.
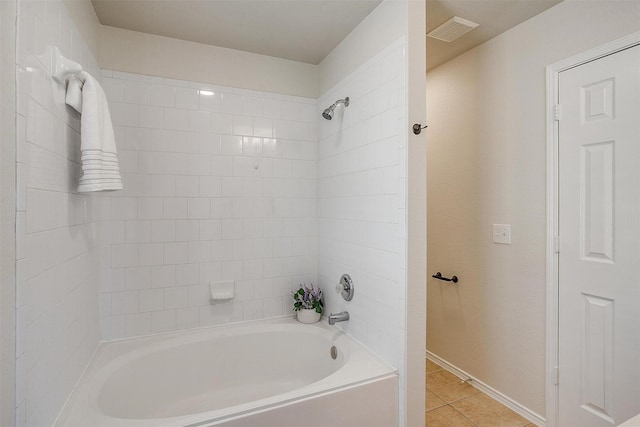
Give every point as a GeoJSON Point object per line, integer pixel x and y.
{"type": "Point", "coordinates": [490, 391]}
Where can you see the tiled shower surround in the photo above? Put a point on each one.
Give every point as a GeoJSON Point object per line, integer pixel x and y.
{"type": "Point", "coordinates": [219, 183]}
{"type": "Point", "coordinates": [57, 269]}
{"type": "Point", "coordinates": [362, 202]}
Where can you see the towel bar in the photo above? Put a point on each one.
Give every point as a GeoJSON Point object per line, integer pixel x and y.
{"type": "Point", "coordinates": [439, 276]}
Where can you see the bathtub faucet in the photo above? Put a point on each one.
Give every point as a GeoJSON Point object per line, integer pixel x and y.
{"type": "Point", "coordinates": [338, 317]}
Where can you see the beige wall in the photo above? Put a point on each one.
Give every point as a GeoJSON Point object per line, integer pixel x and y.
{"type": "Point", "coordinates": [184, 60]}
{"type": "Point", "coordinates": [7, 212]}
{"type": "Point", "coordinates": [416, 204]}
{"type": "Point", "coordinates": [383, 26]}
{"type": "Point", "coordinates": [486, 165]}
{"type": "Point", "coordinates": [148, 54]}
{"type": "Point", "coordinates": [84, 17]}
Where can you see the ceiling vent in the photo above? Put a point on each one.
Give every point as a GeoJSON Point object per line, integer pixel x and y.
{"type": "Point", "coordinates": [452, 29]}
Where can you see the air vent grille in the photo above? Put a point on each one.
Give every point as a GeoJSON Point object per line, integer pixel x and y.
{"type": "Point", "coordinates": [452, 29]}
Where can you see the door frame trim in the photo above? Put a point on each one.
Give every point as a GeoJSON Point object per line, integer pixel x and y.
{"type": "Point", "coordinates": [552, 306]}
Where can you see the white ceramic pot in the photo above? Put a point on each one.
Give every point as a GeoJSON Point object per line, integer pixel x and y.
{"type": "Point", "coordinates": [308, 315]}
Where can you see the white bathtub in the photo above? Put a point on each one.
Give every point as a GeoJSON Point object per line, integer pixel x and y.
{"type": "Point", "coordinates": [276, 373]}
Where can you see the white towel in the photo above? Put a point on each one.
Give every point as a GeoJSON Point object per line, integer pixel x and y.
{"type": "Point", "coordinates": [74, 93]}
{"type": "Point", "coordinates": [97, 141]}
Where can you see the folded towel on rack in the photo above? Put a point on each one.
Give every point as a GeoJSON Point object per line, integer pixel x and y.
{"type": "Point", "coordinates": [97, 141]}
{"type": "Point", "coordinates": [74, 93]}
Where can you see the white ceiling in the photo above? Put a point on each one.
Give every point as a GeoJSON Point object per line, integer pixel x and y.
{"type": "Point", "coordinates": [494, 17]}
{"type": "Point", "coordinates": [300, 30]}
{"type": "Point", "coordinates": [304, 30]}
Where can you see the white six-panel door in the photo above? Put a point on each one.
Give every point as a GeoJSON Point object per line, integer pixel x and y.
{"type": "Point", "coordinates": [599, 228]}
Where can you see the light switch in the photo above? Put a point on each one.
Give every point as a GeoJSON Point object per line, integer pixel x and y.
{"type": "Point", "coordinates": [502, 234]}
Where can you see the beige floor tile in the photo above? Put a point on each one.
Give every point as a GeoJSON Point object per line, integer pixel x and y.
{"type": "Point", "coordinates": [432, 366]}
{"type": "Point", "coordinates": [441, 377]}
{"type": "Point", "coordinates": [448, 387]}
{"type": "Point", "coordinates": [432, 401]}
{"type": "Point", "coordinates": [446, 417]}
{"type": "Point", "coordinates": [486, 412]}
{"type": "Point", "coordinates": [453, 392]}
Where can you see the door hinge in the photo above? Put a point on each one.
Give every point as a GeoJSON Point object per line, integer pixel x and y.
{"type": "Point", "coordinates": [556, 376]}
{"type": "Point", "coordinates": [557, 112]}
{"type": "Point", "coordinates": [556, 244]}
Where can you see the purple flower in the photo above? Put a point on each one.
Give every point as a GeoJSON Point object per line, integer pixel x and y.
{"type": "Point", "coordinates": [308, 298]}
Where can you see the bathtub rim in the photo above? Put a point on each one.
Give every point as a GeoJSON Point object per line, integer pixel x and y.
{"type": "Point", "coordinates": [104, 371]}
{"type": "Point", "coordinates": [315, 389]}
{"type": "Point", "coordinates": [284, 403]}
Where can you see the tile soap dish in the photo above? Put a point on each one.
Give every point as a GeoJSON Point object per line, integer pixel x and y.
{"type": "Point", "coordinates": [222, 290]}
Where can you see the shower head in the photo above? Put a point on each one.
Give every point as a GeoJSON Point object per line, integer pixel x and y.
{"type": "Point", "coordinates": [328, 113]}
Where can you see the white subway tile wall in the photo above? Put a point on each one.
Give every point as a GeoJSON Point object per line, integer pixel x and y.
{"type": "Point", "coordinates": [57, 229]}
{"type": "Point", "coordinates": [219, 184]}
{"type": "Point", "coordinates": [361, 202]}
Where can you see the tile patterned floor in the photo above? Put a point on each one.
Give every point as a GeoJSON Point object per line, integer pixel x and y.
{"type": "Point", "coordinates": [452, 403]}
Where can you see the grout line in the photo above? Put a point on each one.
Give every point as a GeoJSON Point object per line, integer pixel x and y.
{"type": "Point", "coordinates": [488, 391]}
{"type": "Point", "coordinates": [455, 410]}
{"type": "Point", "coordinates": [464, 416]}
{"type": "Point", "coordinates": [450, 404]}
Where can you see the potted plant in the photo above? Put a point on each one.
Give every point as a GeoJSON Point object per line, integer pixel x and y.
{"type": "Point", "coordinates": [308, 304]}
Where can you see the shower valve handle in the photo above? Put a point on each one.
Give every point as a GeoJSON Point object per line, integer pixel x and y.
{"type": "Point", "coordinates": [345, 287]}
